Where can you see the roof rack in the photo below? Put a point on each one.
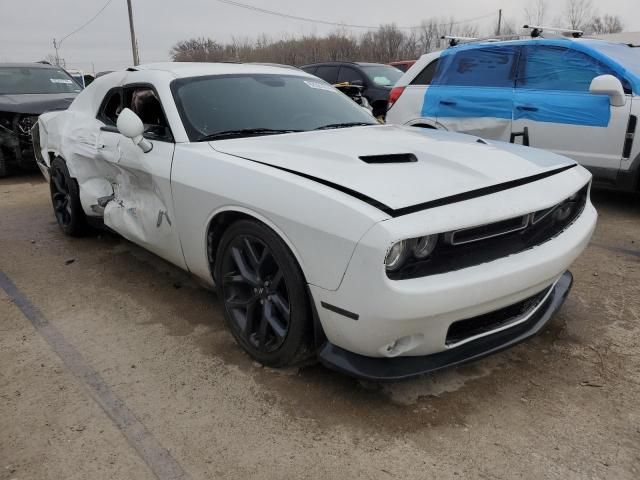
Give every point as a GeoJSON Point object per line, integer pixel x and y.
{"type": "Point", "coordinates": [455, 40]}
{"type": "Point", "coordinates": [536, 31]}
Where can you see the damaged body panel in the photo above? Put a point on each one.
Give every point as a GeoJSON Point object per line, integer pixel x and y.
{"type": "Point", "coordinates": [26, 91]}
{"type": "Point", "coordinates": [222, 170]}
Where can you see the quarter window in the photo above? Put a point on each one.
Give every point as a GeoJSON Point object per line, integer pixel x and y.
{"type": "Point", "coordinates": [425, 77]}
{"type": "Point", "coordinates": [111, 107]}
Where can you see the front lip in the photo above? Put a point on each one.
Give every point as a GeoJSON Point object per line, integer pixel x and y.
{"type": "Point", "coordinates": [399, 368]}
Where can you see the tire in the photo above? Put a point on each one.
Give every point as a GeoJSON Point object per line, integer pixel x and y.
{"type": "Point", "coordinates": [4, 169]}
{"type": "Point", "coordinates": [258, 282]}
{"type": "Point", "coordinates": [65, 199]}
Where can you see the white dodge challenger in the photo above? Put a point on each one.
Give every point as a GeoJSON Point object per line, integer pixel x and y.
{"type": "Point", "coordinates": [384, 251]}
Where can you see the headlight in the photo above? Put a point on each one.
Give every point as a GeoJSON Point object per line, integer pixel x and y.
{"type": "Point", "coordinates": [424, 246]}
{"type": "Point", "coordinates": [25, 124]}
{"type": "Point", "coordinates": [395, 256]}
{"type": "Point", "coordinates": [419, 248]}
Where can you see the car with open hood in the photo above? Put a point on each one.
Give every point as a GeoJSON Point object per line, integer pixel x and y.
{"type": "Point", "coordinates": [384, 251]}
{"type": "Point", "coordinates": [26, 91]}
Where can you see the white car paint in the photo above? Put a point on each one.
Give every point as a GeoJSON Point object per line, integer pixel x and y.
{"type": "Point", "coordinates": [599, 149]}
{"type": "Point", "coordinates": [165, 200]}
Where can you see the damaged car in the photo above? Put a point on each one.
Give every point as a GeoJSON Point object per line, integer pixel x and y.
{"type": "Point", "coordinates": [383, 251]}
{"type": "Point", "coordinates": [26, 91]}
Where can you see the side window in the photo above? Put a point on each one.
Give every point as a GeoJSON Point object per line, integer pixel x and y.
{"type": "Point", "coordinates": [111, 107]}
{"type": "Point", "coordinates": [145, 103]}
{"type": "Point", "coordinates": [479, 67]}
{"type": "Point", "coordinates": [350, 75]}
{"type": "Point", "coordinates": [425, 77]}
{"type": "Point", "coordinates": [559, 68]}
{"type": "Point", "coordinates": [311, 70]}
{"type": "Point", "coordinates": [328, 73]}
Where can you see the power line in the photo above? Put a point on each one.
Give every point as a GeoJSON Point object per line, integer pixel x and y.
{"type": "Point", "coordinates": [338, 24]}
{"type": "Point", "coordinates": [85, 24]}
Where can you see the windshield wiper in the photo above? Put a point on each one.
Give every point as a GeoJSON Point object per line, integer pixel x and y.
{"type": "Point", "coordinates": [344, 125]}
{"type": "Point", "coordinates": [245, 132]}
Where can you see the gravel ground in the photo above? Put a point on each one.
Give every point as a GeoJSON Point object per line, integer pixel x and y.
{"type": "Point", "coordinates": [563, 405]}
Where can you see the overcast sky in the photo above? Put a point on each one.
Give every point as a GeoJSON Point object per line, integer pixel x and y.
{"type": "Point", "coordinates": [27, 27]}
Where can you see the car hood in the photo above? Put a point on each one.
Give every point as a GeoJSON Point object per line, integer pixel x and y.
{"type": "Point", "coordinates": [35, 104]}
{"type": "Point", "coordinates": [447, 163]}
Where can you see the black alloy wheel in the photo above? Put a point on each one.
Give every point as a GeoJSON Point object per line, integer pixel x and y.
{"type": "Point", "coordinates": [65, 199]}
{"type": "Point", "coordinates": [264, 295]}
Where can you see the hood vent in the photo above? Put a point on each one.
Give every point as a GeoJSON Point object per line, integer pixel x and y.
{"type": "Point", "coordinates": [390, 158]}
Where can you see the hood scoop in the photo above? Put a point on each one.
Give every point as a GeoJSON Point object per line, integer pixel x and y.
{"type": "Point", "coordinates": [390, 158]}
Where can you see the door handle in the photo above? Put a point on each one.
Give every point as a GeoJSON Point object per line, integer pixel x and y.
{"type": "Point", "coordinates": [527, 108]}
{"type": "Point", "coordinates": [450, 103]}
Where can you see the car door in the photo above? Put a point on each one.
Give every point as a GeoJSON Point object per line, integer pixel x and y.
{"type": "Point", "coordinates": [351, 76]}
{"type": "Point", "coordinates": [552, 101]}
{"type": "Point", "coordinates": [141, 207]}
{"type": "Point", "coordinates": [328, 73]}
{"type": "Point", "coordinates": [472, 91]}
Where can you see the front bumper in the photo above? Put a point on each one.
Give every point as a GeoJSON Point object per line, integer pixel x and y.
{"type": "Point", "coordinates": [387, 369]}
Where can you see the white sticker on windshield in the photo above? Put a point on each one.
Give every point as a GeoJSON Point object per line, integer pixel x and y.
{"type": "Point", "coordinates": [60, 80]}
{"type": "Point", "coordinates": [320, 86]}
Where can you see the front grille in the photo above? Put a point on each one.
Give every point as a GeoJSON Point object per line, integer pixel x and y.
{"type": "Point", "coordinates": [482, 324]}
{"type": "Point", "coordinates": [490, 242]}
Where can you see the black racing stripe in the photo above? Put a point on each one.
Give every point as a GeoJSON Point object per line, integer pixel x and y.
{"type": "Point", "coordinates": [480, 192]}
{"type": "Point", "coordinates": [360, 196]}
{"type": "Point", "coordinates": [399, 212]}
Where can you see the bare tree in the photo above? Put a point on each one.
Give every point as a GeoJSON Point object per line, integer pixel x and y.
{"type": "Point", "coordinates": [578, 13]}
{"type": "Point", "coordinates": [605, 24]}
{"type": "Point", "coordinates": [536, 12]}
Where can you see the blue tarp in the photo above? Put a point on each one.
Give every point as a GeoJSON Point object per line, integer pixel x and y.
{"type": "Point", "coordinates": [542, 80]}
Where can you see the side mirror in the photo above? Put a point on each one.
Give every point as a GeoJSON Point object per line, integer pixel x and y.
{"type": "Point", "coordinates": [130, 125]}
{"type": "Point", "coordinates": [611, 86]}
{"type": "Point", "coordinates": [358, 83]}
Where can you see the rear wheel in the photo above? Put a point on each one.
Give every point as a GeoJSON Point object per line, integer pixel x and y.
{"type": "Point", "coordinates": [264, 294]}
{"type": "Point", "coordinates": [4, 171]}
{"type": "Point", "coordinates": [66, 199]}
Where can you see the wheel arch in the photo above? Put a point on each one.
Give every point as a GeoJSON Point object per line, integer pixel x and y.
{"type": "Point", "coordinates": [224, 217]}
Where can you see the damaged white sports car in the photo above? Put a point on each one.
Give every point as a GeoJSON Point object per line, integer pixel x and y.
{"type": "Point", "coordinates": [386, 251]}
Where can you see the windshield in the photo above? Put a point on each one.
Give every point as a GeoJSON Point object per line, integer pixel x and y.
{"type": "Point", "coordinates": [627, 57]}
{"type": "Point", "coordinates": [265, 104]}
{"type": "Point", "coordinates": [22, 80]}
{"type": "Point", "coordinates": [382, 75]}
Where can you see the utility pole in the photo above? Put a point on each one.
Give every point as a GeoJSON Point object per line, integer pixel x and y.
{"type": "Point", "coordinates": [55, 46]}
{"type": "Point", "coordinates": [134, 42]}
{"type": "Point", "coordinates": [499, 22]}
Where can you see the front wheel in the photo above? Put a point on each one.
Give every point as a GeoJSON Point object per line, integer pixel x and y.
{"type": "Point", "coordinates": [263, 292]}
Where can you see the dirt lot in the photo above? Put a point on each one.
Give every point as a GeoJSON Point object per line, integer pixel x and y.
{"type": "Point", "coordinates": [152, 383]}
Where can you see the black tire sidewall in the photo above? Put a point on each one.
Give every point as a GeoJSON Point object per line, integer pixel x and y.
{"type": "Point", "coordinates": [296, 345]}
{"type": "Point", "coordinates": [76, 227]}
{"type": "Point", "coordinates": [4, 169]}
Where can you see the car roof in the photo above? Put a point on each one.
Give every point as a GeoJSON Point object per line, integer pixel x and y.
{"type": "Point", "coordinates": [198, 69]}
{"type": "Point", "coordinates": [337, 63]}
{"type": "Point", "coordinates": [30, 65]}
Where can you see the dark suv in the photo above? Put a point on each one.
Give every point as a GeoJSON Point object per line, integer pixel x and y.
{"type": "Point", "coordinates": [26, 91]}
{"type": "Point", "coordinates": [376, 78]}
